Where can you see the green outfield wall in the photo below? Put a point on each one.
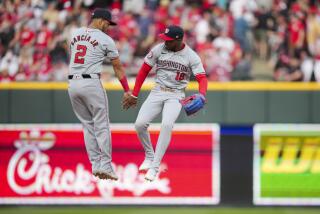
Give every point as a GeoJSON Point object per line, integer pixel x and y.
{"type": "Point", "coordinates": [227, 103]}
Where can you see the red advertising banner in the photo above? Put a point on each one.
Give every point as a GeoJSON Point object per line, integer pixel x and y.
{"type": "Point", "coordinates": [48, 164]}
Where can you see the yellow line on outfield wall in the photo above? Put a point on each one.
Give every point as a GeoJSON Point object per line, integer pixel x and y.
{"type": "Point", "coordinates": [212, 86]}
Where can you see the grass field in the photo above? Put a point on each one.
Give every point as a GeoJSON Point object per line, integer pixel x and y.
{"type": "Point", "coordinates": [154, 210]}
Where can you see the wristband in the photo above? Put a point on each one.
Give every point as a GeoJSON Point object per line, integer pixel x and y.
{"type": "Point", "coordinates": [135, 97]}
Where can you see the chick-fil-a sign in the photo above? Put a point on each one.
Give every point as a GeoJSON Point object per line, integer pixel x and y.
{"type": "Point", "coordinates": [42, 163]}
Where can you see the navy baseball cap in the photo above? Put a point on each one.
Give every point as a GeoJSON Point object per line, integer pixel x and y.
{"type": "Point", "coordinates": [172, 32]}
{"type": "Point", "coordinates": [103, 14]}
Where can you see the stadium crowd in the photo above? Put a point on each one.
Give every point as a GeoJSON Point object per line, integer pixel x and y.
{"type": "Point", "coordinates": [228, 35]}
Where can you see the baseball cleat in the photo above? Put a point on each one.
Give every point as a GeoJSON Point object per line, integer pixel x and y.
{"type": "Point", "coordinates": [96, 174]}
{"type": "Point", "coordinates": [151, 174]}
{"type": "Point", "coordinates": [146, 164]}
{"type": "Point", "coordinates": [95, 169]}
{"type": "Point", "coordinates": [107, 175]}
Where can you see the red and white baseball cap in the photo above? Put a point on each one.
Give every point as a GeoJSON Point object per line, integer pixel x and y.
{"type": "Point", "coordinates": [172, 32]}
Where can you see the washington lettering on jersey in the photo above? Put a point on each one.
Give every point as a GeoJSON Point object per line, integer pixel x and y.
{"type": "Point", "coordinates": [170, 64]}
{"type": "Point", "coordinates": [173, 69]}
{"type": "Point", "coordinates": [84, 37]}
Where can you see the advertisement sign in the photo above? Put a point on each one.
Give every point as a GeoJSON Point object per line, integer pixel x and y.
{"type": "Point", "coordinates": [48, 164]}
{"type": "Point", "coordinates": [286, 164]}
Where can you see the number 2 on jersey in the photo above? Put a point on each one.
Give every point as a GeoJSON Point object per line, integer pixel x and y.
{"type": "Point", "coordinates": [180, 76]}
{"type": "Point", "coordinates": [80, 54]}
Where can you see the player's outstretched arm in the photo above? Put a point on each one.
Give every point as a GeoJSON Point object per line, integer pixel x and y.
{"type": "Point", "coordinates": [142, 75]}
{"type": "Point", "coordinates": [120, 74]}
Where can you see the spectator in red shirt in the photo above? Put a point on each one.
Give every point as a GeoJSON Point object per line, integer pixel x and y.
{"type": "Point", "coordinates": [296, 34]}
{"type": "Point", "coordinates": [26, 36]}
{"type": "Point", "coordinates": [41, 69]}
{"type": "Point", "coordinates": [44, 37]}
{"type": "Point", "coordinates": [127, 26]}
{"type": "Point", "coordinates": [116, 5]}
{"type": "Point", "coordinates": [161, 16]}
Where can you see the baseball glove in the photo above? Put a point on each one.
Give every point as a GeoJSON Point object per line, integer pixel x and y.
{"type": "Point", "coordinates": [193, 103]}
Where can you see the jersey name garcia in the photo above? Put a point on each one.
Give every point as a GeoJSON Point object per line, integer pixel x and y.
{"type": "Point", "coordinates": [88, 49]}
{"type": "Point", "coordinates": [84, 37]}
{"type": "Point", "coordinates": [173, 69]}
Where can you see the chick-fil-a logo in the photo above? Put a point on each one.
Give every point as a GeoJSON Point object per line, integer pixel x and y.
{"type": "Point", "coordinates": [31, 164]}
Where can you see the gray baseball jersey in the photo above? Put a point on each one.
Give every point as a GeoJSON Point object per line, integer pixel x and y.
{"type": "Point", "coordinates": [173, 69]}
{"type": "Point", "coordinates": [89, 47]}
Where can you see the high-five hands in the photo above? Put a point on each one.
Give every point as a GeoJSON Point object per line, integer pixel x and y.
{"type": "Point", "coordinates": [129, 100]}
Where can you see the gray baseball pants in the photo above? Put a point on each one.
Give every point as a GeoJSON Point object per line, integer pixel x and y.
{"type": "Point", "coordinates": [157, 101]}
{"type": "Point", "coordinates": [90, 104]}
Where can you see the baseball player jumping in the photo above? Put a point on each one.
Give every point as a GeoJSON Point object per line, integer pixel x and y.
{"type": "Point", "coordinates": [175, 62]}
{"type": "Point", "coordinates": [89, 46]}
